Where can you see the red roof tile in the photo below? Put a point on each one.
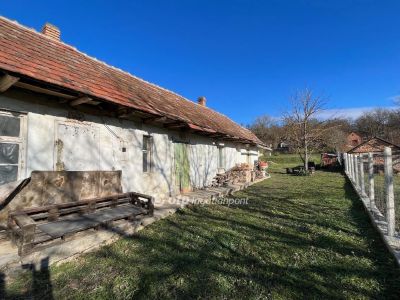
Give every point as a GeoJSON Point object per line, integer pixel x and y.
{"type": "Point", "coordinates": [27, 52]}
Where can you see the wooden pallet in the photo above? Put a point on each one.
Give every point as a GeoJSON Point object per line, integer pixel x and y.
{"type": "Point", "coordinates": [30, 227]}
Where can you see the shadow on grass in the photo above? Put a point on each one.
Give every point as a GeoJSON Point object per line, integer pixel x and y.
{"type": "Point", "coordinates": [386, 267]}
{"type": "Point", "coordinates": [41, 285]}
{"type": "Point", "coordinates": [298, 237]}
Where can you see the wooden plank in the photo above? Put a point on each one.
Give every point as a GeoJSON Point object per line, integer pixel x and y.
{"type": "Point", "coordinates": [14, 232]}
{"type": "Point", "coordinates": [24, 220]}
{"type": "Point", "coordinates": [91, 207]}
{"type": "Point", "coordinates": [28, 226]}
{"type": "Point", "coordinates": [140, 195]}
{"type": "Point", "coordinates": [40, 90]}
{"type": "Point", "coordinates": [54, 213]}
{"type": "Point", "coordinates": [81, 100]}
{"type": "Point", "coordinates": [35, 210]}
{"type": "Point", "coordinates": [175, 125]}
{"type": "Point", "coordinates": [60, 228]}
{"type": "Point", "coordinates": [6, 82]}
{"type": "Point", "coordinates": [43, 238]}
{"type": "Point", "coordinates": [70, 210]}
{"type": "Point", "coordinates": [114, 202]}
{"type": "Point", "coordinates": [154, 119]}
{"type": "Point", "coordinates": [94, 102]}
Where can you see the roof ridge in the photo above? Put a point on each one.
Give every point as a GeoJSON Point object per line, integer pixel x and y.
{"type": "Point", "coordinates": [151, 86]}
{"type": "Point", "coordinates": [33, 30]}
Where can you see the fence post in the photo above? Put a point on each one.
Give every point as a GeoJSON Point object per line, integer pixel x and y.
{"type": "Point", "coordinates": [389, 194]}
{"type": "Point", "coordinates": [346, 162]}
{"type": "Point", "coordinates": [356, 182]}
{"type": "Point", "coordinates": [371, 180]}
{"type": "Point", "coordinates": [351, 166]}
{"type": "Point", "coordinates": [361, 174]}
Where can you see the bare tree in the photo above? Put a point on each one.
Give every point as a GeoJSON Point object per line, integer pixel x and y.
{"type": "Point", "coordinates": [303, 130]}
{"type": "Point", "coordinates": [266, 129]}
{"type": "Point", "coordinates": [339, 129]}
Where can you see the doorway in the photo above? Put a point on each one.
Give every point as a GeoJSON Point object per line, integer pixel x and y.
{"type": "Point", "coordinates": [182, 167]}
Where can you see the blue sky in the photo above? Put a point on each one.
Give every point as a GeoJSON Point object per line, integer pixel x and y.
{"type": "Point", "coordinates": [246, 57]}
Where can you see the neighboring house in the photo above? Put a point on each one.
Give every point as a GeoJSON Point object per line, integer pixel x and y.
{"type": "Point", "coordinates": [376, 146]}
{"type": "Point", "coordinates": [283, 147]}
{"type": "Point", "coordinates": [61, 109]}
{"type": "Point", "coordinates": [352, 140]}
{"type": "Point", "coordinates": [373, 145]}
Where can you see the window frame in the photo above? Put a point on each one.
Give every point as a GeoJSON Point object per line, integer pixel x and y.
{"type": "Point", "coordinates": [221, 157]}
{"type": "Point", "coordinates": [147, 152]}
{"type": "Point", "coordinates": [19, 140]}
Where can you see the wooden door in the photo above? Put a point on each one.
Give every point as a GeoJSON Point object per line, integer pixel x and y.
{"type": "Point", "coordinates": [182, 167]}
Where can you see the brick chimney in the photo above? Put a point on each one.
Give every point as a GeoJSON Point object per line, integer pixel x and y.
{"type": "Point", "coordinates": [51, 31]}
{"type": "Point", "coordinates": [202, 101]}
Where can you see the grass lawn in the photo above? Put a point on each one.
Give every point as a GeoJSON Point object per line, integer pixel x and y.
{"type": "Point", "coordinates": [298, 237]}
{"type": "Point", "coordinates": [290, 160]}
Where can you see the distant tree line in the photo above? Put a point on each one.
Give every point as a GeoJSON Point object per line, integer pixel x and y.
{"type": "Point", "coordinates": [301, 128]}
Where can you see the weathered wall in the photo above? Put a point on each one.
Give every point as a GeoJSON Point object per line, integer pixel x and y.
{"type": "Point", "coordinates": [203, 158]}
{"type": "Point", "coordinates": [91, 143]}
{"type": "Point", "coordinates": [60, 138]}
{"type": "Point", "coordinates": [54, 187]}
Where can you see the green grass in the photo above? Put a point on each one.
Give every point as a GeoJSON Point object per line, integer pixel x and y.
{"type": "Point", "coordinates": [298, 238]}
{"type": "Point", "coordinates": [289, 160]}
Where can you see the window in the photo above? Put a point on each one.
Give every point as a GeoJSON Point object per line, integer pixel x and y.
{"type": "Point", "coordinates": [9, 126]}
{"type": "Point", "coordinates": [221, 157]}
{"type": "Point", "coordinates": [147, 155]}
{"type": "Point", "coordinates": [11, 147]}
{"type": "Point", "coordinates": [248, 157]}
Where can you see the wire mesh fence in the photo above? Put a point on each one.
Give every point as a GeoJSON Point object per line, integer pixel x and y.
{"type": "Point", "coordinates": [396, 187]}
{"type": "Point", "coordinates": [377, 176]}
{"type": "Point", "coordinates": [379, 182]}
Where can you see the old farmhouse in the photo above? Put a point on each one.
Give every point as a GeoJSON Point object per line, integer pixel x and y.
{"type": "Point", "coordinates": [62, 110]}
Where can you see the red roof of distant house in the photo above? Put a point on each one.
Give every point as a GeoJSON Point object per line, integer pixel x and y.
{"type": "Point", "coordinates": [32, 54]}
{"type": "Point", "coordinates": [374, 144]}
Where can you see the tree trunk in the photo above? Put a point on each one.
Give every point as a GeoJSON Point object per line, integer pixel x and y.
{"type": "Point", "coordinates": [305, 147]}
{"type": "Point", "coordinates": [306, 156]}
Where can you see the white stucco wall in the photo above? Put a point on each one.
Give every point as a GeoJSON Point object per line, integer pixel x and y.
{"type": "Point", "coordinates": [97, 142]}
{"type": "Point", "coordinates": [203, 159]}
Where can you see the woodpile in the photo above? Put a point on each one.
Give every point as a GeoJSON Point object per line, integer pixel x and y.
{"type": "Point", "coordinates": [239, 174]}
{"type": "Point", "coordinates": [259, 174]}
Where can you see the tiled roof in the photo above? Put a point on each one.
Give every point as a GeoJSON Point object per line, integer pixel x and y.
{"type": "Point", "coordinates": [29, 53]}
{"type": "Point", "coordinates": [374, 144]}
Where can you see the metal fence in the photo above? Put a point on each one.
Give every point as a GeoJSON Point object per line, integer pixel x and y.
{"type": "Point", "coordinates": [374, 175]}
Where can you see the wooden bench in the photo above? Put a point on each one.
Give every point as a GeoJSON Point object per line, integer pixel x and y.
{"type": "Point", "coordinates": [30, 227]}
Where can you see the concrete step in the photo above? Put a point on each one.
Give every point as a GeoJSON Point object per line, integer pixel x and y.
{"type": "Point", "coordinates": [149, 220]}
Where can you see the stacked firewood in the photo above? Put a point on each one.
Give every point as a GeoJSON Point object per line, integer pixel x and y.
{"type": "Point", "coordinates": [259, 174]}
{"type": "Point", "coordinates": [239, 174]}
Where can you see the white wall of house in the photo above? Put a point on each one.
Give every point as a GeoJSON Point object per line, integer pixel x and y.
{"type": "Point", "coordinates": [54, 142]}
